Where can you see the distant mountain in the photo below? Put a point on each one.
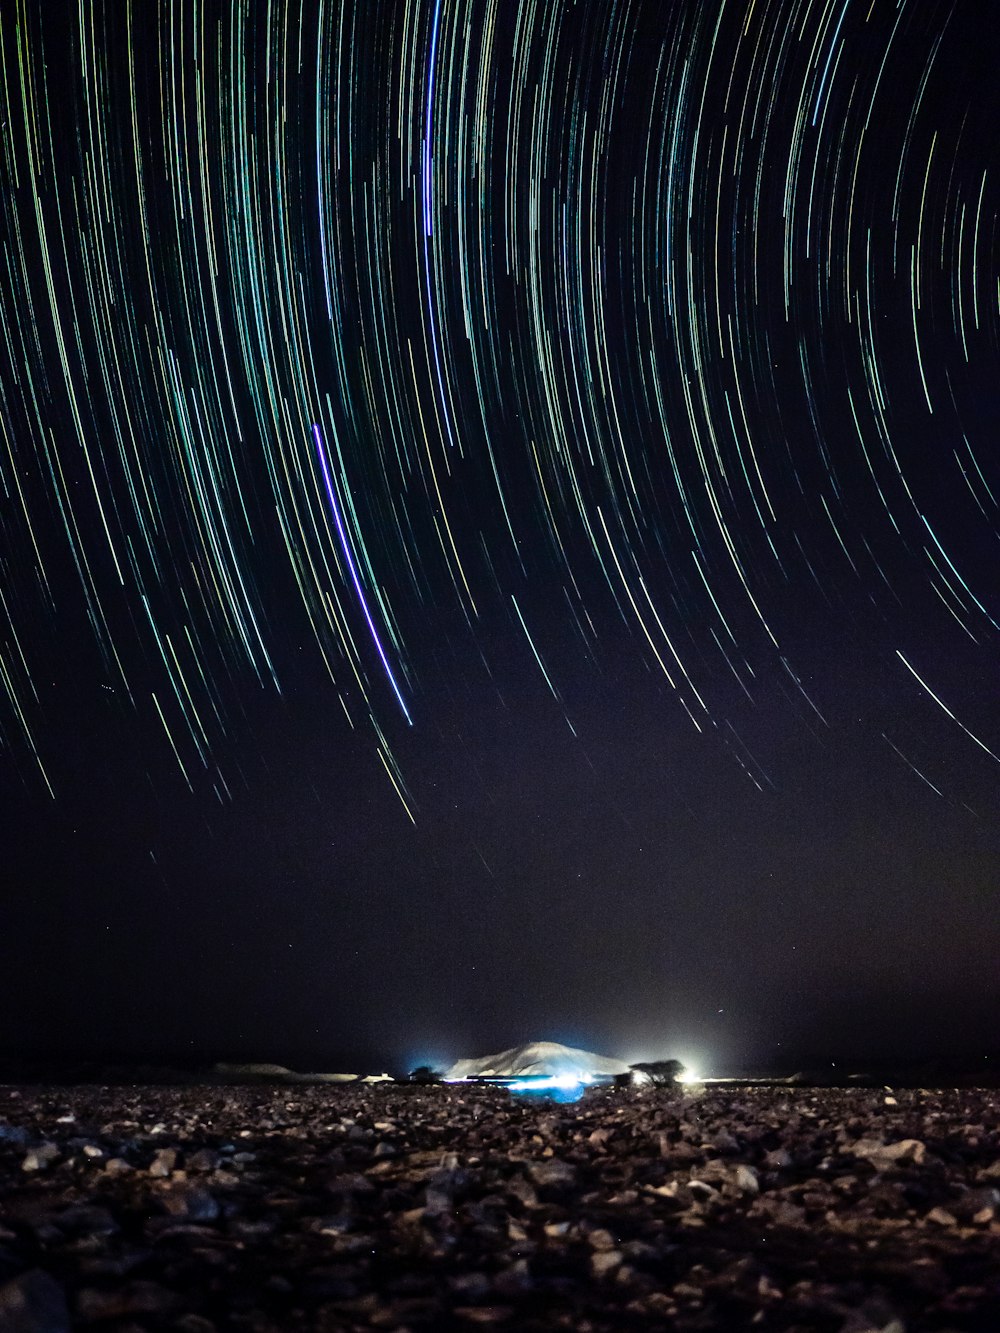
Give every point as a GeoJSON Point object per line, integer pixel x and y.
{"type": "Point", "coordinates": [538, 1059]}
{"type": "Point", "coordinates": [269, 1073]}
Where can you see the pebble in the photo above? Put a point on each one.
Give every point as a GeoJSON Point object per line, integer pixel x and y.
{"type": "Point", "coordinates": [604, 1262]}
{"type": "Point", "coordinates": [190, 1201]}
{"type": "Point", "coordinates": [164, 1162]}
{"type": "Point", "coordinates": [134, 1298]}
{"type": "Point", "coordinates": [40, 1158]}
{"type": "Point", "coordinates": [33, 1302]}
{"type": "Point", "coordinates": [629, 1209]}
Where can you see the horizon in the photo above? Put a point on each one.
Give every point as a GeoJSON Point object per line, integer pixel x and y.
{"type": "Point", "coordinates": [850, 1063]}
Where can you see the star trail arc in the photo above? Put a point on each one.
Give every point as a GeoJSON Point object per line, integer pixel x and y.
{"type": "Point", "coordinates": [623, 328]}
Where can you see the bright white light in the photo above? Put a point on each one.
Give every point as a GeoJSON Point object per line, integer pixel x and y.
{"type": "Point", "coordinates": [689, 1076]}
{"type": "Point", "coordinates": [565, 1082]}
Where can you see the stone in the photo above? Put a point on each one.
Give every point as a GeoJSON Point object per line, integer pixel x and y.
{"type": "Point", "coordinates": [604, 1262]}
{"type": "Point", "coordinates": [33, 1302]}
{"type": "Point", "coordinates": [976, 1204]}
{"type": "Point", "coordinates": [470, 1286]}
{"type": "Point", "coordinates": [86, 1220]}
{"type": "Point", "coordinates": [522, 1190]}
{"type": "Point", "coordinates": [163, 1162]}
{"type": "Point", "coordinates": [550, 1217]}
{"type": "Point", "coordinates": [40, 1158]}
{"type": "Point", "coordinates": [203, 1160]}
{"type": "Point", "coordinates": [553, 1173]}
{"type": "Point", "coordinates": [883, 1155]}
{"type": "Point", "coordinates": [191, 1202]}
{"type": "Point", "coordinates": [601, 1239]}
{"type": "Point", "coordinates": [514, 1280]}
{"type": "Point", "coordinates": [874, 1317]}
{"type": "Point", "coordinates": [134, 1298]}
{"type": "Point", "coordinates": [747, 1180]}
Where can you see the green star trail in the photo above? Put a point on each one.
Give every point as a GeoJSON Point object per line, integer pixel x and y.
{"type": "Point", "coordinates": [476, 440]}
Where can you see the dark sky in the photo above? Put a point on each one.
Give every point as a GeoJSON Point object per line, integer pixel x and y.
{"type": "Point", "coordinates": [500, 528]}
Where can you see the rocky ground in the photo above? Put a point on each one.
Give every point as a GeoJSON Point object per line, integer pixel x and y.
{"type": "Point", "coordinates": [259, 1209]}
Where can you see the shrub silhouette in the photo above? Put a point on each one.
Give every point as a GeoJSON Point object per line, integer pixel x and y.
{"type": "Point", "coordinates": [425, 1075]}
{"type": "Point", "coordinates": [662, 1073]}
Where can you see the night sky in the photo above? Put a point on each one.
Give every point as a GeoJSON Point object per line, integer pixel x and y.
{"type": "Point", "coordinates": [500, 529]}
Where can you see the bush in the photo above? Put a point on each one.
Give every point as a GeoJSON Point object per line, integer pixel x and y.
{"type": "Point", "coordinates": [425, 1075]}
{"type": "Point", "coordinates": [661, 1073]}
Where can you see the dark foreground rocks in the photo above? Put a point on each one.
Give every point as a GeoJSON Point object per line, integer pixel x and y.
{"type": "Point", "coordinates": [204, 1210]}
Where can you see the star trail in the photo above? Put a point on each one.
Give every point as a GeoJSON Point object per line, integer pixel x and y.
{"type": "Point", "coordinates": [489, 478]}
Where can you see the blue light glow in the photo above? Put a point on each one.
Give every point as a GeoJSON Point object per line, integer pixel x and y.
{"type": "Point", "coordinates": [557, 1087]}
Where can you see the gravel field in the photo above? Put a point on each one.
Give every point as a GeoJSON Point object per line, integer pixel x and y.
{"type": "Point", "coordinates": [395, 1207]}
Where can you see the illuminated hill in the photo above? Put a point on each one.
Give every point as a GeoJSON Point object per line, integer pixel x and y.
{"type": "Point", "coordinates": [538, 1059]}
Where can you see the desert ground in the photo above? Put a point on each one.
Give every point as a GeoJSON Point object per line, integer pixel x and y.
{"type": "Point", "coordinates": [396, 1207]}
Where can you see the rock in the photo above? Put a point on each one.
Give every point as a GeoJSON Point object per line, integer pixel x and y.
{"type": "Point", "coordinates": [605, 1262]}
{"type": "Point", "coordinates": [204, 1160]}
{"type": "Point", "coordinates": [470, 1286]}
{"type": "Point", "coordinates": [552, 1174]}
{"type": "Point", "coordinates": [353, 1183]}
{"type": "Point", "coordinates": [778, 1160]}
{"type": "Point", "coordinates": [514, 1280]}
{"type": "Point", "coordinates": [191, 1202]}
{"type": "Point", "coordinates": [437, 1200]}
{"type": "Point", "coordinates": [86, 1220]}
{"type": "Point", "coordinates": [523, 1191]}
{"type": "Point", "coordinates": [135, 1298]}
{"type": "Point", "coordinates": [747, 1180]}
{"type": "Point", "coordinates": [781, 1212]}
{"type": "Point", "coordinates": [884, 1155]}
{"type": "Point", "coordinates": [874, 1317]}
{"type": "Point", "coordinates": [40, 1158]}
{"type": "Point", "coordinates": [163, 1162]}
{"type": "Point", "coordinates": [600, 1239]}
{"type": "Point", "coordinates": [786, 1208]}
{"type": "Point", "coordinates": [976, 1204]}
{"type": "Point", "coordinates": [33, 1303]}
{"type": "Point", "coordinates": [701, 1189]}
